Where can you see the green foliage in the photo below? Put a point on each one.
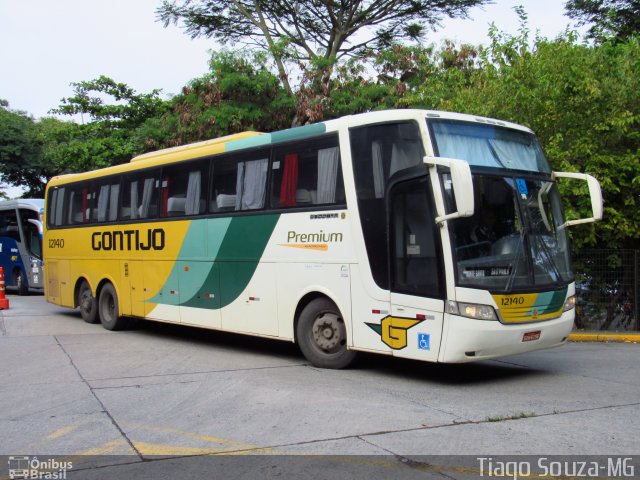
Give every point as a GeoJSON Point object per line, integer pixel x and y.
{"type": "Point", "coordinates": [238, 94]}
{"type": "Point", "coordinates": [582, 101]}
{"type": "Point", "coordinates": [115, 113]}
{"type": "Point", "coordinates": [70, 147]}
{"type": "Point", "coordinates": [612, 20]}
{"type": "Point", "coordinates": [312, 36]}
{"type": "Point", "coordinates": [20, 160]}
{"type": "Point", "coordinates": [110, 103]}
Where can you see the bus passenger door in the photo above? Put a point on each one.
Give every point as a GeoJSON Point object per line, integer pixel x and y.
{"type": "Point", "coordinates": [414, 327]}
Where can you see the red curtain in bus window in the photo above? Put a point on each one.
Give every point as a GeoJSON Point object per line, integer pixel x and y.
{"type": "Point", "coordinates": [165, 196]}
{"type": "Point", "coordinates": [289, 183]}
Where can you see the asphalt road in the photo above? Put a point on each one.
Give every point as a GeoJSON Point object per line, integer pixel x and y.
{"type": "Point", "coordinates": [159, 399]}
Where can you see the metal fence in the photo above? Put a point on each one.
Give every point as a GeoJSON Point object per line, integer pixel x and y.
{"type": "Point", "coordinates": [607, 289]}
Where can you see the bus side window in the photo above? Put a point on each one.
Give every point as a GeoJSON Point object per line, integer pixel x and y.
{"type": "Point", "coordinates": [105, 209]}
{"type": "Point", "coordinates": [79, 206]}
{"type": "Point", "coordinates": [240, 183]}
{"type": "Point", "coordinates": [307, 173]}
{"type": "Point", "coordinates": [415, 265]}
{"type": "Point", "coordinates": [182, 190]}
{"type": "Point", "coordinates": [379, 152]}
{"type": "Point", "coordinates": [140, 196]}
{"type": "Point", "coordinates": [56, 207]}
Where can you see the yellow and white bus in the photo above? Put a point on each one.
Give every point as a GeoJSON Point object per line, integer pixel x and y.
{"type": "Point", "coordinates": [420, 234]}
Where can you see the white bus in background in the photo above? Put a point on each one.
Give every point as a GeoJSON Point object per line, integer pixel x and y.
{"type": "Point", "coordinates": [21, 244]}
{"type": "Point", "coordinates": [421, 234]}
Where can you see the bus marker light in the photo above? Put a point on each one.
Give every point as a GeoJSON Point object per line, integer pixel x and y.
{"type": "Point", "coordinates": [531, 336]}
{"type": "Point", "coordinates": [421, 316]}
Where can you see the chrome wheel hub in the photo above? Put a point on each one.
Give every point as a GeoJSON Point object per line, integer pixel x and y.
{"type": "Point", "coordinates": [327, 332]}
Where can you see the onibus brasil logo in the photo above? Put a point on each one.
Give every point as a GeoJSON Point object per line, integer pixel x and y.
{"type": "Point", "coordinates": [34, 468]}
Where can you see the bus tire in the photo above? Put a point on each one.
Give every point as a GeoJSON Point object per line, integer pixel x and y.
{"type": "Point", "coordinates": [322, 335]}
{"type": "Point", "coordinates": [20, 282]}
{"type": "Point", "coordinates": [108, 310]}
{"type": "Point", "coordinates": [88, 303]}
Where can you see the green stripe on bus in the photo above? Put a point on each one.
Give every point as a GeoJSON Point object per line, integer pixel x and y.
{"type": "Point", "coordinates": [551, 301]}
{"type": "Point", "coordinates": [250, 142]}
{"type": "Point", "coordinates": [235, 246]}
{"type": "Point", "coordinates": [298, 132]}
{"type": "Point", "coordinates": [281, 136]}
{"type": "Point", "coordinates": [241, 251]}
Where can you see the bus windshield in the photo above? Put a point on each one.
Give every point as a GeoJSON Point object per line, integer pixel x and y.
{"type": "Point", "coordinates": [490, 146]}
{"type": "Point", "coordinates": [514, 240]}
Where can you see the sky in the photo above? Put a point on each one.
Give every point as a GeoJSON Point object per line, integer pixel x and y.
{"type": "Point", "coordinates": [46, 45]}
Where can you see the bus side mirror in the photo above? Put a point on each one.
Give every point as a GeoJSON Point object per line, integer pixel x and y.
{"type": "Point", "coordinates": [462, 184]}
{"type": "Point", "coordinates": [594, 192]}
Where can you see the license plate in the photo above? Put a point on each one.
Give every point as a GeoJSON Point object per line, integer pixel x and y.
{"type": "Point", "coordinates": [531, 336]}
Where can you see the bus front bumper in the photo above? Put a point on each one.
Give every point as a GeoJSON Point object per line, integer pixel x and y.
{"type": "Point", "coordinates": [468, 340]}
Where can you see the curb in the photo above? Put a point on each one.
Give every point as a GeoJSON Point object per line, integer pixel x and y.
{"type": "Point", "coordinates": [605, 337]}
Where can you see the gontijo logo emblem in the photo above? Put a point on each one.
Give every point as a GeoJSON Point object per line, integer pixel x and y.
{"type": "Point", "coordinates": [393, 330]}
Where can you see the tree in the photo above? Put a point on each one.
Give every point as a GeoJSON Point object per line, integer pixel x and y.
{"type": "Point", "coordinates": [239, 93]}
{"type": "Point", "coordinates": [311, 35]}
{"type": "Point", "coordinates": [115, 112]}
{"type": "Point", "coordinates": [582, 101]}
{"type": "Point", "coordinates": [611, 19]}
{"type": "Point", "coordinates": [126, 108]}
{"type": "Point", "coordinates": [20, 153]}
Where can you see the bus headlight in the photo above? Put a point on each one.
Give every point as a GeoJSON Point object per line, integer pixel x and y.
{"type": "Point", "coordinates": [471, 310]}
{"type": "Point", "coordinates": [569, 303]}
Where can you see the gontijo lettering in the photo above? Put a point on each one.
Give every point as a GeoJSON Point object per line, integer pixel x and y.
{"type": "Point", "coordinates": [152, 239]}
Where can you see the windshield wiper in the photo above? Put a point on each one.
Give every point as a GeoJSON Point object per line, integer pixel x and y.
{"type": "Point", "coordinates": [552, 263]}
{"type": "Point", "coordinates": [514, 270]}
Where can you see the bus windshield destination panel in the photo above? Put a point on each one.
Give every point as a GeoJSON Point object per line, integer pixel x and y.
{"type": "Point", "coordinates": [426, 235]}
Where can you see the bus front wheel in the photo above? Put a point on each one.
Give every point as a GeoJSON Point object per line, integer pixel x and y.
{"type": "Point", "coordinates": [108, 309]}
{"type": "Point", "coordinates": [88, 303]}
{"type": "Point", "coordinates": [322, 335]}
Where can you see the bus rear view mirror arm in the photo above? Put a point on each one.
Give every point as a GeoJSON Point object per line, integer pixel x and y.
{"type": "Point", "coordinates": [594, 192]}
{"type": "Point", "coordinates": [462, 184]}
{"type": "Point", "coordinates": [38, 225]}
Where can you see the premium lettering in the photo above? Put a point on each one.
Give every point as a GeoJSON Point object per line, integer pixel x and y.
{"type": "Point", "coordinates": [319, 237]}
{"type": "Point", "coordinates": [152, 239]}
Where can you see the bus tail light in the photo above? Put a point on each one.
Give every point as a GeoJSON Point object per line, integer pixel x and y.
{"type": "Point", "coordinates": [471, 310]}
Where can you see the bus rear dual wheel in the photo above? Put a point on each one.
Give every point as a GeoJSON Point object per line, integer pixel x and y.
{"type": "Point", "coordinates": [108, 310]}
{"type": "Point", "coordinates": [87, 303]}
{"type": "Point", "coordinates": [322, 335]}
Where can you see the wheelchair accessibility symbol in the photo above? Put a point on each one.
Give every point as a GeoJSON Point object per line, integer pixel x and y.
{"type": "Point", "coordinates": [424, 341]}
